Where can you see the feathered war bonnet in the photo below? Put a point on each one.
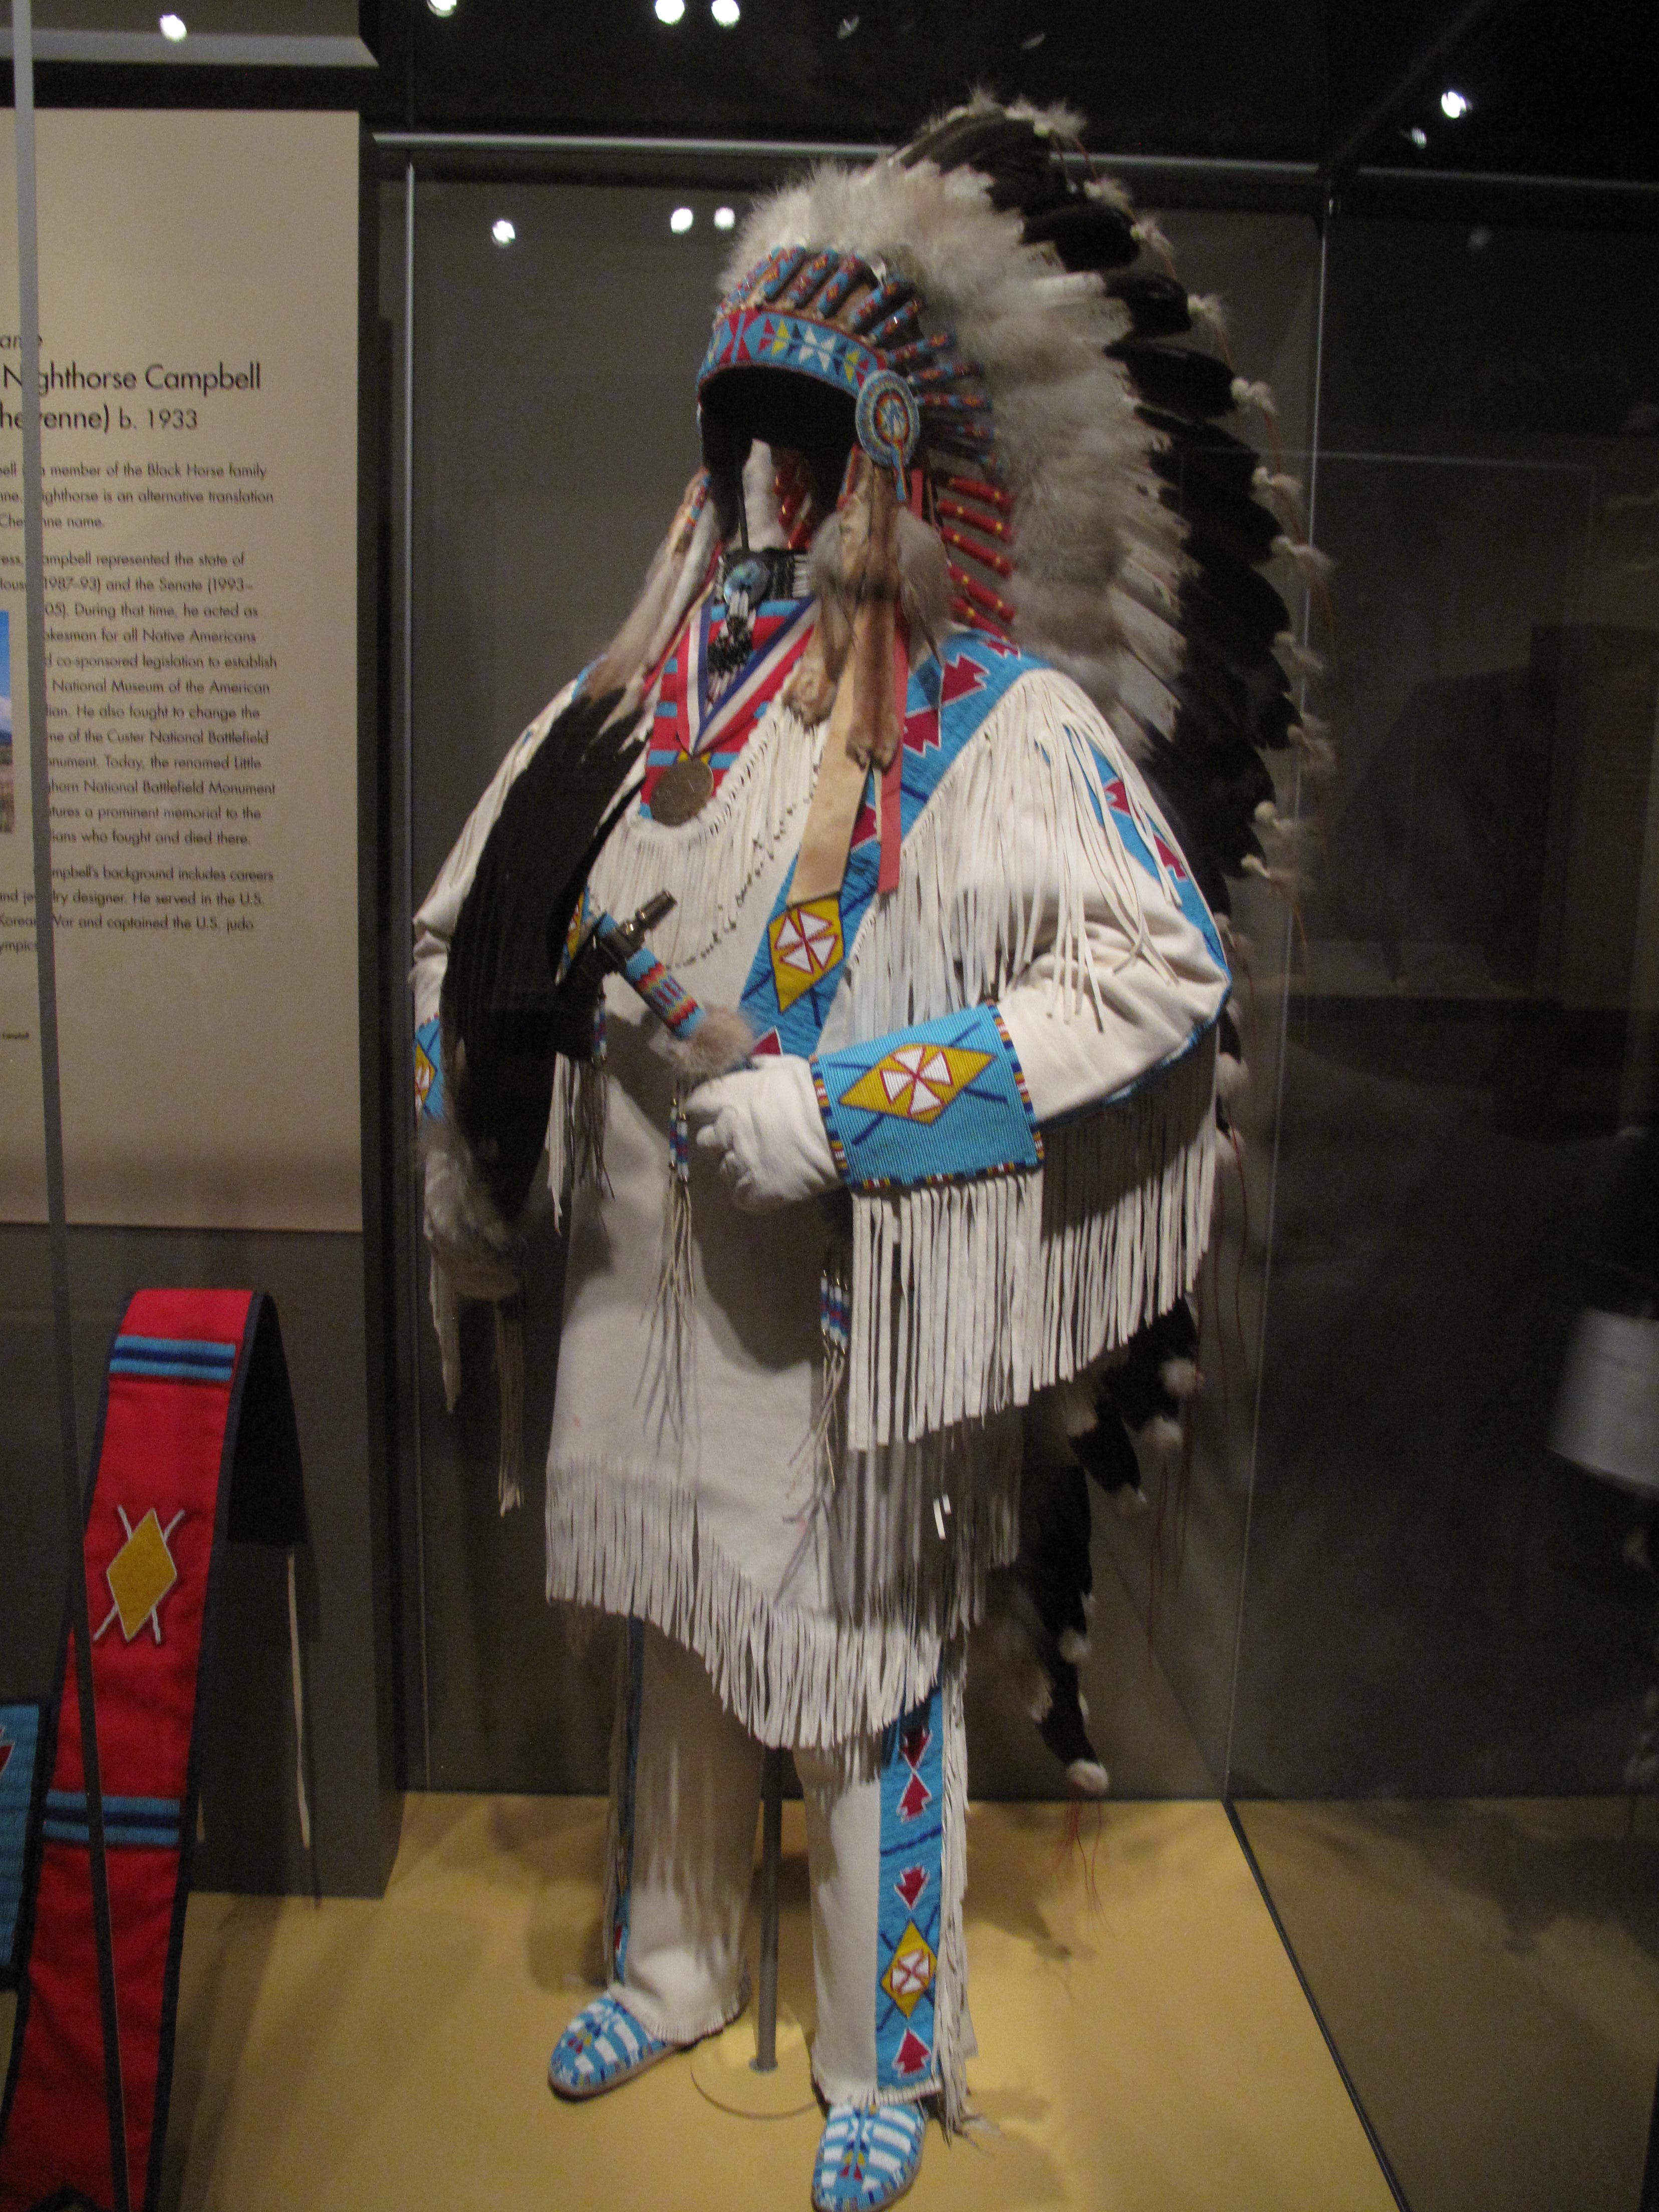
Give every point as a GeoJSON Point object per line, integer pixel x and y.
{"type": "Point", "coordinates": [978, 352]}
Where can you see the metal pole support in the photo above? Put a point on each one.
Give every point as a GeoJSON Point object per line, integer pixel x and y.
{"type": "Point", "coordinates": [765, 2060]}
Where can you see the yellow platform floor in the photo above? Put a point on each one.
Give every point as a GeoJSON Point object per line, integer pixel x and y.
{"type": "Point", "coordinates": [1152, 2051]}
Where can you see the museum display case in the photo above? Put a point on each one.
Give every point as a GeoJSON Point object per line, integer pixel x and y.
{"type": "Point", "coordinates": [1389, 1610]}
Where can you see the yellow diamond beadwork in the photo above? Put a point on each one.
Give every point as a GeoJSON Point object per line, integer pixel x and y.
{"type": "Point", "coordinates": [141, 1574]}
{"type": "Point", "coordinates": [424, 1074]}
{"type": "Point", "coordinates": [579, 921]}
{"type": "Point", "coordinates": [917, 1082]}
{"type": "Point", "coordinates": [805, 943]}
{"type": "Point", "coordinates": [909, 1973]}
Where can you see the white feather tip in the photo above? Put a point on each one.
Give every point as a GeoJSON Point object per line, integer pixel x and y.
{"type": "Point", "coordinates": [1161, 1437]}
{"type": "Point", "coordinates": [1150, 238]}
{"type": "Point", "coordinates": [1208, 313]}
{"type": "Point", "coordinates": [1232, 1078]}
{"type": "Point", "coordinates": [1316, 752]}
{"type": "Point", "coordinates": [1254, 393]}
{"type": "Point", "coordinates": [1313, 566]}
{"type": "Point", "coordinates": [1181, 1378]}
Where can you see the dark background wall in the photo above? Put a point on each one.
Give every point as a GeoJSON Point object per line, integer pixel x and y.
{"type": "Point", "coordinates": [1436, 1606]}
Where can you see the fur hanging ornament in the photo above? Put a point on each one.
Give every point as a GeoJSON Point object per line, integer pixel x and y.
{"type": "Point", "coordinates": [870, 556]}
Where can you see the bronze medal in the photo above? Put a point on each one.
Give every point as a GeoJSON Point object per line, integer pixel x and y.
{"type": "Point", "coordinates": [683, 790]}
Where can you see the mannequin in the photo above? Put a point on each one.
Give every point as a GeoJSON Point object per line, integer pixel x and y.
{"type": "Point", "coordinates": [901, 1115]}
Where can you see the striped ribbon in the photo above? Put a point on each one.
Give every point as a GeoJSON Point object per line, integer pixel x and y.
{"type": "Point", "coordinates": [128, 1822]}
{"type": "Point", "coordinates": [176, 1358]}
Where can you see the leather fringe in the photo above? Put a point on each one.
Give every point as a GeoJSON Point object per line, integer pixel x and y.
{"type": "Point", "coordinates": [969, 1297]}
{"type": "Point", "coordinates": [509, 1378]}
{"type": "Point", "coordinates": [627, 1544]}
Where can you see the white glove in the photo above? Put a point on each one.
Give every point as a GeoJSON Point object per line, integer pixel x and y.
{"type": "Point", "coordinates": [763, 1129]}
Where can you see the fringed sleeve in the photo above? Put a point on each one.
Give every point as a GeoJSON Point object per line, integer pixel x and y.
{"type": "Point", "coordinates": [971, 1291]}
{"type": "Point", "coordinates": [1031, 1172]}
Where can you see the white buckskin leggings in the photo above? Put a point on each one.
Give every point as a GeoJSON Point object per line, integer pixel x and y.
{"type": "Point", "coordinates": [886, 1852]}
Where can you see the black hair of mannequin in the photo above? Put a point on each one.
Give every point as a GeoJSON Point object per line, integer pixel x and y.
{"type": "Point", "coordinates": [789, 413]}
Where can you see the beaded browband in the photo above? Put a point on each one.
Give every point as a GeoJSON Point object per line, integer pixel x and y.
{"type": "Point", "coordinates": [919, 402]}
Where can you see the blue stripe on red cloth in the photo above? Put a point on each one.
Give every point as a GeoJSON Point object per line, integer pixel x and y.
{"type": "Point", "coordinates": [173, 1359]}
{"type": "Point", "coordinates": [130, 1823]}
{"type": "Point", "coordinates": [73, 1802]}
{"type": "Point", "coordinates": [176, 1347]}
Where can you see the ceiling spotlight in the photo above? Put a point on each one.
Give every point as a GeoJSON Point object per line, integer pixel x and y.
{"type": "Point", "coordinates": [847, 26]}
{"type": "Point", "coordinates": [441, 7]}
{"type": "Point", "coordinates": [669, 11]}
{"type": "Point", "coordinates": [681, 220]}
{"type": "Point", "coordinates": [1479, 239]}
{"type": "Point", "coordinates": [1454, 104]}
{"type": "Point", "coordinates": [725, 12]}
{"type": "Point", "coordinates": [725, 218]}
{"type": "Point", "coordinates": [1030, 45]}
{"type": "Point", "coordinates": [502, 231]}
{"type": "Point", "coordinates": [173, 27]}
{"type": "Point", "coordinates": [1419, 137]}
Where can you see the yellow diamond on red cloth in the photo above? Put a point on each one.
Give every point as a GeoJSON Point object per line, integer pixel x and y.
{"type": "Point", "coordinates": [806, 944]}
{"type": "Point", "coordinates": [916, 1081]}
{"type": "Point", "coordinates": [909, 1973]}
{"type": "Point", "coordinates": [141, 1574]}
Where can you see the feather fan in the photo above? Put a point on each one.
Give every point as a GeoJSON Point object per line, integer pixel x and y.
{"type": "Point", "coordinates": [505, 1015]}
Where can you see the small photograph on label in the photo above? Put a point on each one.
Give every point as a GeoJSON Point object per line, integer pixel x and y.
{"type": "Point", "coordinates": [8, 790]}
